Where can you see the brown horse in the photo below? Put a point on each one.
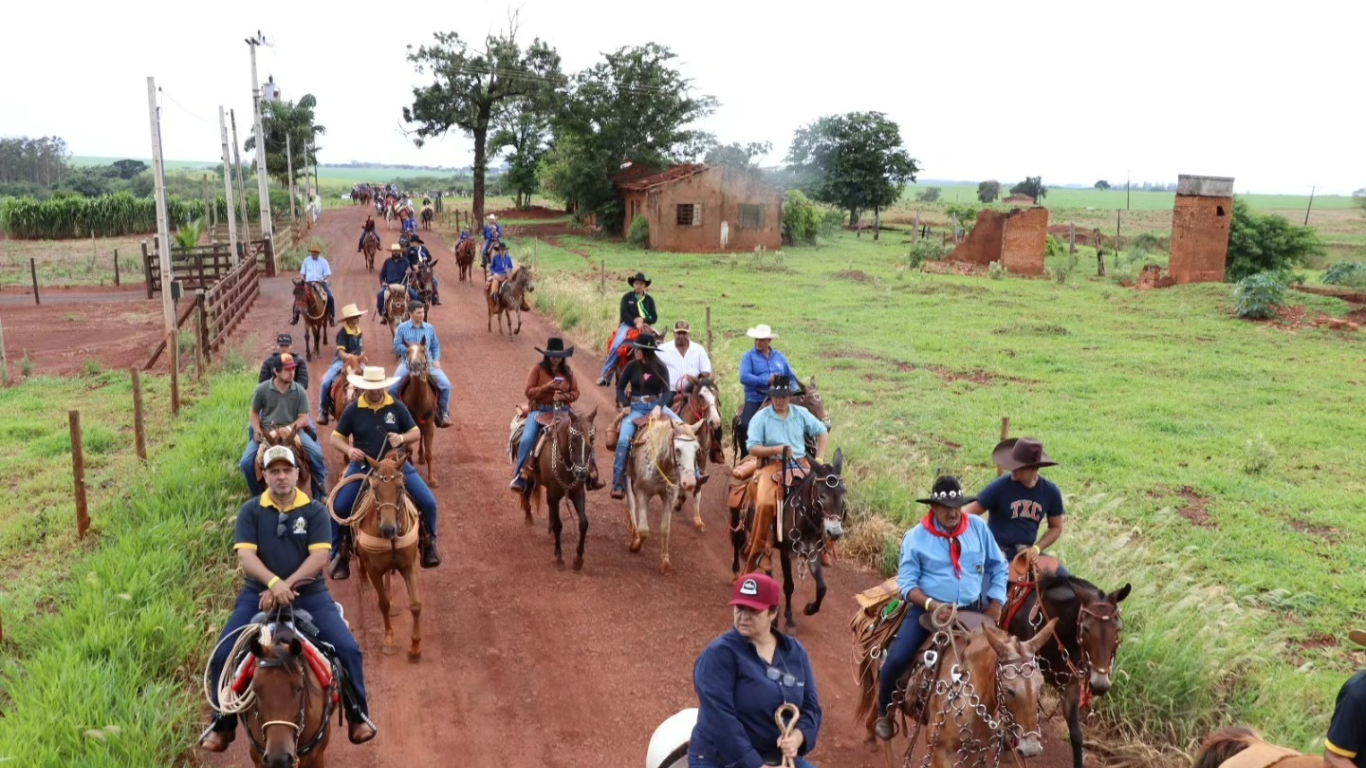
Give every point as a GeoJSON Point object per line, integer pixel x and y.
{"type": "Point", "coordinates": [422, 280]}
{"type": "Point", "coordinates": [418, 393]}
{"type": "Point", "coordinates": [281, 434]}
{"type": "Point", "coordinates": [387, 534]}
{"type": "Point", "coordinates": [395, 307]}
{"type": "Point", "coordinates": [427, 215]}
{"type": "Point", "coordinates": [287, 723]}
{"type": "Point", "coordinates": [343, 392]}
{"type": "Point", "coordinates": [562, 468]}
{"type": "Point", "coordinates": [1222, 745]}
{"type": "Point", "coordinates": [509, 299]}
{"type": "Point", "coordinates": [702, 403]}
{"type": "Point", "coordinates": [370, 245]}
{"type": "Point", "coordinates": [662, 460]}
{"type": "Point", "coordinates": [464, 258]}
{"type": "Point", "coordinates": [311, 302]}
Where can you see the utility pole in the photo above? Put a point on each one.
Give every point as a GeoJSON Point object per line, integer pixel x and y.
{"type": "Point", "coordinates": [266, 228]}
{"type": "Point", "coordinates": [227, 189]}
{"type": "Point", "coordinates": [1311, 205]}
{"type": "Point", "coordinates": [317, 187]}
{"type": "Point", "coordinates": [163, 227]}
{"type": "Point", "coordinates": [241, 187]}
{"type": "Point", "coordinates": [289, 165]}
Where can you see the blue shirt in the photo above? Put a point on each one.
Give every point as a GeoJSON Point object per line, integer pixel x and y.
{"type": "Point", "coordinates": [755, 370]}
{"type": "Point", "coordinates": [925, 564]}
{"type": "Point", "coordinates": [1346, 737]}
{"type": "Point", "coordinates": [769, 429]}
{"type": "Point", "coordinates": [501, 265]}
{"type": "Point", "coordinates": [408, 334]}
{"type": "Point", "coordinates": [463, 237]}
{"type": "Point", "coordinates": [736, 701]}
{"type": "Point", "coordinates": [307, 529]}
{"type": "Point", "coordinates": [492, 229]}
{"type": "Point", "coordinates": [1016, 511]}
{"type": "Point", "coordinates": [315, 270]}
{"type": "Point", "coordinates": [393, 271]}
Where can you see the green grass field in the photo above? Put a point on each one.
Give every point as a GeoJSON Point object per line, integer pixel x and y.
{"type": "Point", "coordinates": [1205, 459]}
{"type": "Point", "coordinates": [1114, 199]}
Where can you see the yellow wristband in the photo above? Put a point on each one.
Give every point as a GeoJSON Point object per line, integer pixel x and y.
{"type": "Point", "coordinates": [929, 602]}
{"type": "Point", "coordinates": [271, 584]}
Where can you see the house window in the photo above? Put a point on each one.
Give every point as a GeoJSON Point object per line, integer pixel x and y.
{"type": "Point", "coordinates": [751, 216]}
{"type": "Point", "coordinates": [689, 215]}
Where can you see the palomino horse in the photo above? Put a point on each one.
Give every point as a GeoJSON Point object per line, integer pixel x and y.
{"type": "Point", "coordinates": [419, 395]}
{"type": "Point", "coordinates": [311, 301]}
{"type": "Point", "coordinates": [702, 402]}
{"type": "Point", "coordinates": [370, 245]}
{"type": "Point", "coordinates": [810, 399]}
{"type": "Point", "coordinates": [509, 299]}
{"type": "Point", "coordinates": [343, 392]}
{"type": "Point", "coordinates": [292, 698]}
{"type": "Point", "coordinates": [395, 307]}
{"type": "Point", "coordinates": [1252, 752]}
{"type": "Point", "coordinates": [422, 280]}
{"type": "Point", "coordinates": [562, 467]}
{"type": "Point", "coordinates": [811, 515]}
{"type": "Point", "coordinates": [663, 455]}
{"type": "Point", "coordinates": [1081, 657]}
{"type": "Point", "coordinates": [464, 258]}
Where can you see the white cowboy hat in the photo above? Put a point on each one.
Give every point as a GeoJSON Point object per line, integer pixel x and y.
{"type": "Point", "coordinates": [761, 331]}
{"type": "Point", "coordinates": [351, 310]}
{"type": "Point", "coordinates": [492, 217]}
{"type": "Point", "coordinates": [371, 378]}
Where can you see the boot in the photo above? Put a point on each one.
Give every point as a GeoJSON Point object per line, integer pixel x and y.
{"type": "Point", "coordinates": [322, 414]}
{"type": "Point", "coordinates": [341, 564]}
{"type": "Point", "coordinates": [361, 730]}
{"type": "Point", "coordinates": [430, 557]}
{"type": "Point", "coordinates": [443, 421]}
{"type": "Point", "coordinates": [884, 728]}
{"type": "Point", "coordinates": [218, 737]}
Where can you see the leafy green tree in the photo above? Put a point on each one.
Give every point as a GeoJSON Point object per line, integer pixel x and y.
{"type": "Point", "coordinates": [739, 156]}
{"type": "Point", "coordinates": [127, 169]}
{"type": "Point", "coordinates": [472, 88]}
{"type": "Point", "coordinates": [801, 219]}
{"type": "Point", "coordinates": [1102, 185]}
{"type": "Point", "coordinates": [928, 195]}
{"type": "Point", "coordinates": [288, 124]}
{"type": "Point", "coordinates": [1266, 243]}
{"type": "Point", "coordinates": [1032, 186]}
{"type": "Point", "coordinates": [855, 161]}
{"type": "Point", "coordinates": [988, 191]}
{"type": "Point", "coordinates": [523, 129]}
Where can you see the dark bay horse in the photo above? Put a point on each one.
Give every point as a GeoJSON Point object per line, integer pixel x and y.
{"type": "Point", "coordinates": [422, 280]}
{"type": "Point", "coordinates": [427, 215]}
{"type": "Point", "coordinates": [311, 301]}
{"type": "Point", "coordinates": [464, 258]}
{"type": "Point", "coordinates": [562, 469]}
{"type": "Point", "coordinates": [1080, 659]}
{"type": "Point", "coordinates": [287, 723]}
{"type": "Point", "coordinates": [418, 393]}
{"type": "Point", "coordinates": [370, 245]}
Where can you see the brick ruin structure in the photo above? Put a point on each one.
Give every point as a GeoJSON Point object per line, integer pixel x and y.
{"type": "Point", "coordinates": [1018, 239]}
{"type": "Point", "coordinates": [1200, 228]}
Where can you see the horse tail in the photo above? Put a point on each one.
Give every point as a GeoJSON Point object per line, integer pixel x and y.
{"type": "Point", "coordinates": [1223, 744]}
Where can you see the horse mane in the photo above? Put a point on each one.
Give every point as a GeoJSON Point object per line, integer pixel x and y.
{"type": "Point", "coordinates": [1050, 581]}
{"type": "Point", "coordinates": [1224, 744]}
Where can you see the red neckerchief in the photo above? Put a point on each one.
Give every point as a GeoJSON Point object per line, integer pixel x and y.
{"type": "Point", "coordinates": [955, 546]}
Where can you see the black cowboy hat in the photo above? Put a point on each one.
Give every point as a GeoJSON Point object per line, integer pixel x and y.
{"type": "Point", "coordinates": [284, 340]}
{"type": "Point", "coordinates": [415, 239]}
{"type": "Point", "coordinates": [1020, 453]}
{"type": "Point", "coordinates": [554, 347]}
{"type": "Point", "coordinates": [782, 386]}
{"type": "Point", "coordinates": [645, 341]}
{"type": "Point", "coordinates": [947, 492]}
{"type": "Point", "coordinates": [638, 276]}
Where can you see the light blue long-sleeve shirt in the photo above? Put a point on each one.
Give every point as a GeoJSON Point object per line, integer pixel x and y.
{"type": "Point", "coordinates": [408, 334]}
{"type": "Point", "coordinates": [315, 270]}
{"type": "Point", "coordinates": [925, 564]}
{"type": "Point", "coordinates": [755, 371]}
{"type": "Point", "coordinates": [769, 429]}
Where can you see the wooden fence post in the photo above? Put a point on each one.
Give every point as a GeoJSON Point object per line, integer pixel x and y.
{"type": "Point", "coordinates": [201, 354]}
{"type": "Point", "coordinates": [1005, 432]}
{"type": "Point", "coordinates": [1072, 240]}
{"type": "Point", "coordinates": [4, 360]}
{"type": "Point", "coordinates": [116, 266]}
{"type": "Point", "coordinates": [708, 326]}
{"type": "Point", "coordinates": [173, 357]}
{"type": "Point", "coordinates": [33, 272]}
{"type": "Point", "coordinates": [78, 472]}
{"type": "Point", "coordinates": [139, 431]}
{"type": "Point", "coordinates": [147, 270]}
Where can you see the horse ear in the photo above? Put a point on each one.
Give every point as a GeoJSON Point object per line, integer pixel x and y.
{"type": "Point", "coordinates": [1118, 595]}
{"type": "Point", "coordinates": [256, 649]}
{"type": "Point", "coordinates": [593, 414]}
{"type": "Point", "coordinates": [433, 262]}
{"type": "Point", "coordinates": [373, 464]}
{"type": "Point", "coordinates": [997, 644]}
{"type": "Point", "coordinates": [812, 382]}
{"type": "Point", "coordinates": [839, 461]}
{"type": "Point", "coordinates": [296, 647]}
{"type": "Point", "coordinates": [1036, 642]}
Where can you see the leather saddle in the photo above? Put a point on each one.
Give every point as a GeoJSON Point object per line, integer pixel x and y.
{"type": "Point", "coordinates": [965, 623]}
{"type": "Point", "coordinates": [410, 381]}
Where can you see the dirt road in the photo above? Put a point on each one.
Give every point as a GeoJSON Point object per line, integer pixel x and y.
{"type": "Point", "coordinates": [525, 665]}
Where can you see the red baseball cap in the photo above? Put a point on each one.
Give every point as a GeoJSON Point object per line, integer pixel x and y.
{"type": "Point", "coordinates": [755, 591]}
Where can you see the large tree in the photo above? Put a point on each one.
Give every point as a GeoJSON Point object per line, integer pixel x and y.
{"type": "Point", "coordinates": [472, 88]}
{"type": "Point", "coordinates": [855, 161]}
{"type": "Point", "coordinates": [988, 191]}
{"type": "Point", "coordinates": [288, 124]}
{"type": "Point", "coordinates": [632, 107]}
{"type": "Point", "coordinates": [735, 155]}
{"type": "Point", "coordinates": [1032, 186]}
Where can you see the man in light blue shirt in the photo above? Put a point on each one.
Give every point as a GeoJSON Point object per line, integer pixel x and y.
{"type": "Point", "coordinates": [315, 269]}
{"type": "Point", "coordinates": [948, 558]}
{"type": "Point", "coordinates": [758, 368]}
{"type": "Point", "coordinates": [415, 330]}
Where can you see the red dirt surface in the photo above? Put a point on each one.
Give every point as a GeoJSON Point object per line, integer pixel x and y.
{"type": "Point", "coordinates": [73, 327]}
{"type": "Point", "coordinates": [524, 665]}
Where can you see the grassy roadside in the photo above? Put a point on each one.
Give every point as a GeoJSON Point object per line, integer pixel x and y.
{"type": "Point", "coordinates": [100, 644]}
{"type": "Point", "coordinates": [1204, 458]}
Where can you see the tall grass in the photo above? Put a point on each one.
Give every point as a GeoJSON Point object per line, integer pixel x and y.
{"type": "Point", "coordinates": [57, 218]}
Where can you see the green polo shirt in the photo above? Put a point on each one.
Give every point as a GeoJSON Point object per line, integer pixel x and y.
{"type": "Point", "coordinates": [276, 407]}
{"type": "Point", "coordinates": [306, 528]}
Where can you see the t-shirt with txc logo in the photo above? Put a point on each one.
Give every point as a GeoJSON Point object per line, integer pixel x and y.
{"type": "Point", "coordinates": [1016, 511]}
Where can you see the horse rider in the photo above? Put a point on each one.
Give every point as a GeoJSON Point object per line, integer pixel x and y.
{"type": "Point", "coordinates": [492, 231]}
{"type": "Point", "coordinates": [648, 380]}
{"type": "Point", "coordinates": [759, 368]}
{"type": "Point", "coordinates": [686, 362]}
{"type": "Point", "coordinates": [393, 272]}
{"type": "Point", "coordinates": [1345, 746]}
{"type": "Point", "coordinates": [500, 269]}
{"type": "Point", "coordinates": [1019, 500]}
{"type": "Point", "coordinates": [948, 558]}
{"type": "Point", "coordinates": [637, 311]}
{"type": "Point", "coordinates": [349, 341]}
{"type": "Point", "coordinates": [418, 253]}
{"type": "Point", "coordinates": [370, 427]}
{"type": "Point", "coordinates": [316, 270]}
{"type": "Point", "coordinates": [551, 386]}
{"type": "Point", "coordinates": [780, 428]}
{"type": "Point", "coordinates": [366, 229]}
{"type": "Point", "coordinates": [281, 541]}
{"type": "Point", "coordinates": [284, 344]}
{"type": "Point", "coordinates": [281, 401]}
{"type": "Point", "coordinates": [413, 331]}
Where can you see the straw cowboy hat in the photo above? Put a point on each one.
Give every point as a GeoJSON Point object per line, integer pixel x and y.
{"type": "Point", "coordinates": [555, 348]}
{"type": "Point", "coordinates": [314, 249]}
{"type": "Point", "coordinates": [683, 327]}
{"type": "Point", "coordinates": [395, 248]}
{"type": "Point", "coordinates": [947, 492]}
{"type": "Point", "coordinates": [371, 378]}
{"type": "Point", "coordinates": [492, 217]}
{"type": "Point", "coordinates": [351, 310]}
{"type": "Point", "coordinates": [761, 331]}
{"type": "Point", "coordinates": [1020, 453]}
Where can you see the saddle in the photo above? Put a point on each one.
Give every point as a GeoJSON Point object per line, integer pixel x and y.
{"type": "Point", "coordinates": [321, 660]}
{"type": "Point", "coordinates": [300, 457]}
{"type": "Point", "coordinates": [1020, 582]}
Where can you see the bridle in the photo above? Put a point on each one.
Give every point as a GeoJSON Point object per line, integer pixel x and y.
{"type": "Point", "coordinates": [298, 725]}
{"type": "Point", "coordinates": [1108, 613]}
{"type": "Point", "coordinates": [578, 465]}
{"type": "Point", "coordinates": [810, 510]}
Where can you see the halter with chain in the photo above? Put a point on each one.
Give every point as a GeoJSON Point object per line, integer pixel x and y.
{"type": "Point", "coordinates": [815, 514]}
{"type": "Point", "coordinates": [1083, 672]}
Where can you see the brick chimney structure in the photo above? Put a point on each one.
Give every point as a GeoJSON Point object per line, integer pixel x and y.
{"type": "Point", "coordinates": [1200, 227]}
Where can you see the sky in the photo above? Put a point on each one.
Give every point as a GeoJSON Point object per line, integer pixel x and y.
{"type": "Point", "coordinates": [1269, 92]}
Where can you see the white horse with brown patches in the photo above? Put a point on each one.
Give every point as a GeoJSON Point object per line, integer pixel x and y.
{"type": "Point", "coordinates": [662, 463]}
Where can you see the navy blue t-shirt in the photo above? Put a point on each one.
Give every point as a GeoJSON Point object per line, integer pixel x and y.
{"type": "Point", "coordinates": [1347, 731]}
{"type": "Point", "coordinates": [369, 426]}
{"type": "Point", "coordinates": [1016, 511]}
{"type": "Point", "coordinates": [283, 537]}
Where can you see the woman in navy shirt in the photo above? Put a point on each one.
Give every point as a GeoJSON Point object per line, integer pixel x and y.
{"type": "Point", "coordinates": [742, 678]}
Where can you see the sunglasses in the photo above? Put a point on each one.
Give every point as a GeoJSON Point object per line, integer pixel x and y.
{"type": "Point", "coordinates": [281, 526]}
{"type": "Point", "coordinates": [786, 677]}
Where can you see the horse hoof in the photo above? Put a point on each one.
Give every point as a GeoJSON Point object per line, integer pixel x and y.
{"type": "Point", "coordinates": [666, 568]}
{"type": "Point", "coordinates": [388, 649]}
{"type": "Point", "coordinates": [559, 563]}
{"type": "Point", "coordinates": [414, 657]}
{"type": "Point", "coordinates": [810, 609]}
{"type": "Point", "coordinates": [578, 563]}
{"type": "Point", "coordinates": [636, 544]}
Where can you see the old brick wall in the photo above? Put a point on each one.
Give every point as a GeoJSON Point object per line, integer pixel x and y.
{"type": "Point", "coordinates": [983, 244]}
{"type": "Point", "coordinates": [1200, 227]}
{"type": "Point", "coordinates": [720, 192]}
{"type": "Point", "coordinates": [1017, 239]}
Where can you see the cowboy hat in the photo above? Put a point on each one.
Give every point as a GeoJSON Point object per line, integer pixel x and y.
{"type": "Point", "coordinates": [555, 348]}
{"type": "Point", "coordinates": [1020, 453]}
{"type": "Point", "coordinates": [278, 453]}
{"type": "Point", "coordinates": [782, 386]}
{"type": "Point", "coordinates": [638, 276]}
{"type": "Point", "coordinates": [415, 239]}
{"type": "Point", "coordinates": [682, 327]}
{"type": "Point", "coordinates": [314, 249]}
{"type": "Point", "coordinates": [371, 378]}
{"type": "Point", "coordinates": [395, 248]}
{"type": "Point", "coordinates": [645, 341]}
{"type": "Point", "coordinates": [947, 492]}
{"type": "Point", "coordinates": [492, 217]}
{"type": "Point", "coordinates": [1357, 636]}
{"type": "Point", "coordinates": [351, 310]}
{"type": "Point", "coordinates": [761, 331]}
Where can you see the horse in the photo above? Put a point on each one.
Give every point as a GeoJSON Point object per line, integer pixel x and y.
{"type": "Point", "coordinates": [395, 307]}
{"type": "Point", "coordinates": [427, 215]}
{"type": "Point", "coordinates": [810, 399]}
{"type": "Point", "coordinates": [370, 244]}
{"type": "Point", "coordinates": [278, 434]}
{"type": "Point", "coordinates": [509, 299]}
{"type": "Point", "coordinates": [623, 355]}
{"type": "Point", "coordinates": [561, 467]}
{"type": "Point", "coordinates": [1084, 646]}
{"type": "Point", "coordinates": [422, 280]}
{"type": "Point", "coordinates": [464, 258]}
{"type": "Point", "coordinates": [811, 515]}
{"type": "Point", "coordinates": [343, 392]}
{"type": "Point", "coordinates": [669, 743]}
{"type": "Point", "coordinates": [311, 301]}
{"type": "Point", "coordinates": [663, 455]}
{"type": "Point", "coordinates": [702, 402]}
{"type": "Point", "coordinates": [419, 395]}
{"type": "Point", "coordinates": [292, 699]}
{"type": "Point", "coordinates": [1222, 745]}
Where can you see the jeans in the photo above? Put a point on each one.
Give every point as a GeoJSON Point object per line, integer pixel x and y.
{"type": "Point", "coordinates": [901, 653]}
{"type": "Point", "coordinates": [529, 433]}
{"type": "Point", "coordinates": [628, 431]}
{"type": "Point", "coordinates": [315, 462]}
{"type": "Point", "coordinates": [331, 629]}
{"type": "Point", "coordinates": [412, 482]}
{"type": "Point", "coordinates": [611, 361]}
{"type": "Point", "coordinates": [742, 434]}
{"type": "Point", "coordinates": [379, 298]}
{"type": "Point", "coordinates": [443, 385]}
{"type": "Point", "coordinates": [325, 401]}
{"type": "Point", "coordinates": [698, 761]}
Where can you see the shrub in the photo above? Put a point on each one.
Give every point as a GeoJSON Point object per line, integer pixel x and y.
{"type": "Point", "coordinates": [1258, 295]}
{"type": "Point", "coordinates": [925, 250]}
{"type": "Point", "coordinates": [966, 212]}
{"type": "Point", "coordinates": [1146, 242]}
{"type": "Point", "coordinates": [1258, 455]}
{"type": "Point", "coordinates": [1351, 274]}
{"type": "Point", "coordinates": [928, 195]}
{"type": "Point", "coordinates": [996, 270]}
{"type": "Point", "coordinates": [1266, 242]}
{"type": "Point", "coordinates": [1062, 266]}
{"type": "Point", "coordinates": [26, 365]}
{"type": "Point", "coordinates": [1054, 247]}
{"type": "Point", "coordinates": [831, 222]}
{"type": "Point", "coordinates": [638, 235]}
{"type": "Point", "coordinates": [801, 221]}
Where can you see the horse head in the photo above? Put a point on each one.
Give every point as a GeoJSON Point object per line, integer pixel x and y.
{"type": "Point", "coordinates": [386, 483]}
{"type": "Point", "coordinates": [810, 399]}
{"type": "Point", "coordinates": [300, 293]}
{"type": "Point", "coordinates": [829, 502]}
{"type": "Point", "coordinates": [579, 434]}
{"type": "Point", "coordinates": [417, 360]}
{"type": "Point", "coordinates": [1018, 683]}
{"type": "Point", "coordinates": [521, 277]}
{"type": "Point", "coordinates": [282, 695]}
{"type": "Point", "coordinates": [685, 446]}
{"type": "Point", "coordinates": [709, 393]}
{"type": "Point", "coordinates": [1098, 633]}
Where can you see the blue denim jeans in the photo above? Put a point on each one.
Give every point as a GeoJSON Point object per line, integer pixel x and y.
{"type": "Point", "coordinates": [611, 361]}
{"type": "Point", "coordinates": [529, 433]}
{"type": "Point", "coordinates": [901, 653]}
{"type": "Point", "coordinates": [412, 482]}
{"type": "Point", "coordinates": [315, 463]}
{"type": "Point", "coordinates": [628, 431]}
{"type": "Point", "coordinates": [325, 399]}
{"type": "Point", "coordinates": [443, 385]}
